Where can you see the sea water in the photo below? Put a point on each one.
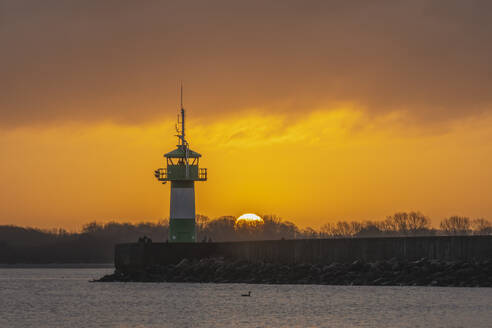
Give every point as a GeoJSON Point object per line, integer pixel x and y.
{"type": "Point", "coordinates": [65, 298]}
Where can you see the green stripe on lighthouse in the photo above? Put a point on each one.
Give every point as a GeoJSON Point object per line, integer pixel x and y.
{"type": "Point", "coordinates": [182, 230]}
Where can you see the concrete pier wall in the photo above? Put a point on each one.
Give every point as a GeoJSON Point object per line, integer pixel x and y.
{"type": "Point", "coordinates": [136, 256]}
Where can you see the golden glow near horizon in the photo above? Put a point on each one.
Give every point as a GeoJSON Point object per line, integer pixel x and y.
{"type": "Point", "coordinates": [331, 164]}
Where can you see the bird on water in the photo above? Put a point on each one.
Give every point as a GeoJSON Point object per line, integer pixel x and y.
{"type": "Point", "coordinates": [247, 295]}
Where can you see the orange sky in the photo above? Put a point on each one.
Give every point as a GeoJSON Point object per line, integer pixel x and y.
{"type": "Point", "coordinates": [329, 164]}
{"type": "Point", "coordinates": [315, 110]}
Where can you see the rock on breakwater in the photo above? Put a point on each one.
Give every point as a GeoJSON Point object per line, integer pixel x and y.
{"type": "Point", "coordinates": [393, 272]}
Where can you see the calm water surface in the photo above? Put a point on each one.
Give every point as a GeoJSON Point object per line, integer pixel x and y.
{"type": "Point", "coordinates": [65, 298]}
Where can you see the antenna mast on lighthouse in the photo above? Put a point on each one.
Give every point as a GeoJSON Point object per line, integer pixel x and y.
{"type": "Point", "coordinates": [182, 117]}
{"type": "Point", "coordinates": [181, 121]}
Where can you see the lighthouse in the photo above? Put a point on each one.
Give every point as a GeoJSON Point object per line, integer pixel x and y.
{"type": "Point", "coordinates": [182, 170]}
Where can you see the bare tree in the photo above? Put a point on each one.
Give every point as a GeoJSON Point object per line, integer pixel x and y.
{"type": "Point", "coordinates": [310, 233]}
{"type": "Point", "coordinates": [417, 223]}
{"type": "Point", "coordinates": [249, 230]}
{"type": "Point", "coordinates": [343, 229]}
{"type": "Point", "coordinates": [456, 225]}
{"type": "Point", "coordinates": [340, 229]}
{"type": "Point", "coordinates": [327, 230]}
{"type": "Point", "coordinates": [355, 227]}
{"type": "Point", "coordinates": [398, 222]}
{"type": "Point", "coordinates": [370, 229]}
{"type": "Point", "coordinates": [403, 223]}
{"type": "Point", "coordinates": [481, 226]}
{"type": "Point", "coordinates": [201, 224]}
{"type": "Point", "coordinates": [276, 228]}
{"type": "Point", "coordinates": [221, 229]}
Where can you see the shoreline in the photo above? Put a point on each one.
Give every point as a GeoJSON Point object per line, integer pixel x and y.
{"type": "Point", "coordinates": [56, 266]}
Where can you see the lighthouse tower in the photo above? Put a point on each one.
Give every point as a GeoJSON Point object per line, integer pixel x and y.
{"type": "Point", "coordinates": [182, 170]}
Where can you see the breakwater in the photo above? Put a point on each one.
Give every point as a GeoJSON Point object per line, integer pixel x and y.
{"type": "Point", "coordinates": [138, 256]}
{"type": "Point", "coordinates": [423, 272]}
{"type": "Point", "coordinates": [409, 261]}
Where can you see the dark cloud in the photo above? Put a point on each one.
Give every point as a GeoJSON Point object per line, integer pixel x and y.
{"type": "Point", "coordinates": [121, 60]}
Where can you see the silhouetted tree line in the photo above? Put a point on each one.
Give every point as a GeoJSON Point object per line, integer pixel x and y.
{"type": "Point", "coordinates": [96, 241]}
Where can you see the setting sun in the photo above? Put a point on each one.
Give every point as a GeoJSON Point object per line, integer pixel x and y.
{"type": "Point", "coordinates": [249, 217]}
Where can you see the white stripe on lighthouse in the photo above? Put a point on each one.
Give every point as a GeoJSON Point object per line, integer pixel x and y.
{"type": "Point", "coordinates": [182, 202]}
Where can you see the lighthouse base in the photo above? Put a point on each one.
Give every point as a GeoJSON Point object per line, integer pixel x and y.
{"type": "Point", "coordinates": [182, 230]}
